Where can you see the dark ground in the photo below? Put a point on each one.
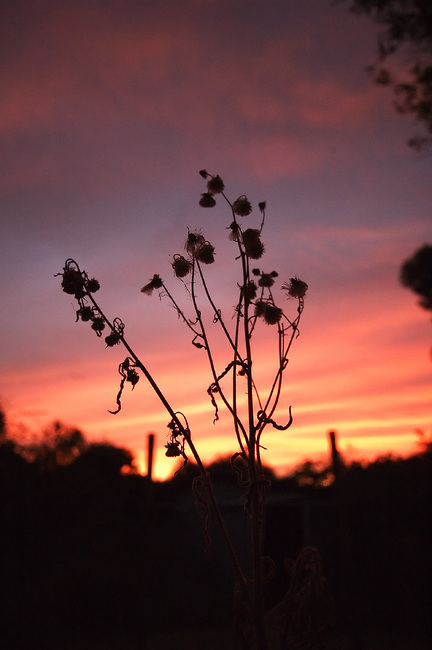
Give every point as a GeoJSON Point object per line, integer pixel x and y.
{"type": "Point", "coordinates": [94, 559]}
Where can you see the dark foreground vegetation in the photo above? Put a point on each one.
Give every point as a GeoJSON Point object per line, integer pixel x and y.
{"type": "Point", "coordinates": [95, 556]}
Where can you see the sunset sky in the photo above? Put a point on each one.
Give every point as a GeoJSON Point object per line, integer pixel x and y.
{"type": "Point", "coordinates": [108, 110]}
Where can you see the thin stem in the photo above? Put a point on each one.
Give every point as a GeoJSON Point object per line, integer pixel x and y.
{"type": "Point", "coordinates": [217, 313]}
{"type": "Point", "coordinates": [248, 433]}
{"type": "Point", "coordinates": [277, 383]}
{"type": "Point", "coordinates": [256, 494]}
{"type": "Point", "coordinates": [237, 359]}
{"type": "Point", "coordinates": [234, 377]}
{"type": "Point", "coordinates": [185, 432]}
{"type": "Point", "coordinates": [210, 356]}
{"type": "Point", "coordinates": [180, 312]}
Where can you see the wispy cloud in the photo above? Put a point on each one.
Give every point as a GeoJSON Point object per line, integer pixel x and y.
{"type": "Point", "coordinates": [108, 110]}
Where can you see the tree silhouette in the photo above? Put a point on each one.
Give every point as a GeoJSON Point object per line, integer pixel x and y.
{"type": "Point", "coordinates": [416, 274]}
{"type": "Point", "coordinates": [88, 560]}
{"type": "Point", "coordinates": [11, 460]}
{"type": "Point", "coordinates": [407, 30]}
{"type": "Point", "coordinates": [106, 459]}
{"type": "Point", "coordinates": [2, 427]}
{"type": "Point", "coordinates": [60, 445]}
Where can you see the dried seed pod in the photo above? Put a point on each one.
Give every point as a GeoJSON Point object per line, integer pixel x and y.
{"type": "Point", "coordinates": [205, 253]}
{"type": "Point", "coordinates": [112, 339]}
{"type": "Point", "coordinates": [98, 324]}
{"type": "Point", "coordinates": [73, 282]}
{"type": "Point", "coordinates": [207, 200]}
{"type": "Point", "coordinates": [296, 288]}
{"type": "Point", "coordinates": [181, 266]}
{"type": "Point", "coordinates": [242, 206]}
{"type": "Point", "coordinates": [215, 185]}
{"type": "Point", "coordinates": [254, 248]}
{"type": "Point", "coordinates": [193, 242]}
{"type": "Point", "coordinates": [155, 283]}
{"type": "Point", "coordinates": [92, 285]}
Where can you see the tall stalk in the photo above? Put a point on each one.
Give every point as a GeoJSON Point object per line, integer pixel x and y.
{"type": "Point", "coordinates": [256, 303]}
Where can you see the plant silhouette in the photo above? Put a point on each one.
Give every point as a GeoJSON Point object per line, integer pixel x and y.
{"type": "Point", "coordinates": [406, 30]}
{"type": "Point", "coordinates": [259, 296]}
{"type": "Point", "coordinates": [416, 274]}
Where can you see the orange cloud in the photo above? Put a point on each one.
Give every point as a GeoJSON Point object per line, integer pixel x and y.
{"type": "Point", "coordinates": [338, 378]}
{"type": "Point", "coordinates": [107, 115]}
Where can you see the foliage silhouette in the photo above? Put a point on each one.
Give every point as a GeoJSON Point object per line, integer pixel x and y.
{"type": "Point", "coordinates": [416, 274]}
{"type": "Point", "coordinates": [107, 459]}
{"type": "Point", "coordinates": [59, 445]}
{"type": "Point", "coordinates": [408, 31]}
{"type": "Point", "coordinates": [87, 559]}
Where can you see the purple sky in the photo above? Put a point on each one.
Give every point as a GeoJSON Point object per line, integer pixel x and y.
{"type": "Point", "coordinates": [107, 112]}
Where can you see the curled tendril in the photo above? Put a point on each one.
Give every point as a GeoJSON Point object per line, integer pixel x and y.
{"type": "Point", "coordinates": [210, 391]}
{"type": "Point", "coordinates": [128, 373]}
{"type": "Point", "coordinates": [196, 343]}
{"type": "Point", "coordinates": [263, 419]}
{"type": "Point", "coordinates": [218, 316]}
{"type": "Point", "coordinates": [118, 326]}
{"type": "Point", "coordinates": [239, 465]}
{"type": "Point", "coordinates": [116, 333]}
{"type": "Point", "coordinates": [214, 388]}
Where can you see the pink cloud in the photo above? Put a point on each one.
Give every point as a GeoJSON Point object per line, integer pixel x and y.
{"type": "Point", "coordinates": [92, 74]}
{"type": "Point", "coordinates": [107, 118]}
{"type": "Point", "coordinates": [354, 374]}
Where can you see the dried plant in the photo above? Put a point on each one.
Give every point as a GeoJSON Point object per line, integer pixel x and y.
{"type": "Point", "coordinates": [257, 302]}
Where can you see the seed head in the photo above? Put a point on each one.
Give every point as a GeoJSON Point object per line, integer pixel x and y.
{"type": "Point", "coordinates": [73, 282]}
{"type": "Point", "coordinates": [268, 311]}
{"type": "Point", "coordinates": [296, 288]}
{"type": "Point", "coordinates": [92, 285]}
{"type": "Point", "coordinates": [205, 253]}
{"type": "Point", "coordinates": [267, 279]}
{"type": "Point", "coordinates": [86, 313]}
{"type": "Point", "coordinates": [272, 314]}
{"type": "Point", "coordinates": [215, 185]}
{"type": "Point", "coordinates": [259, 307]}
{"type": "Point", "coordinates": [172, 449]}
{"type": "Point", "coordinates": [98, 325]}
{"type": "Point", "coordinates": [242, 206]}
{"type": "Point", "coordinates": [181, 266]}
{"type": "Point", "coordinates": [193, 242]}
{"type": "Point", "coordinates": [112, 339]}
{"type": "Point", "coordinates": [235, 231]}
{"type": "Point", "coordinates": [254, 248]}
{"type": "Point", "coordinates": [207, 200]}
{"type": "Point", "coordinates": [155, 283]}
